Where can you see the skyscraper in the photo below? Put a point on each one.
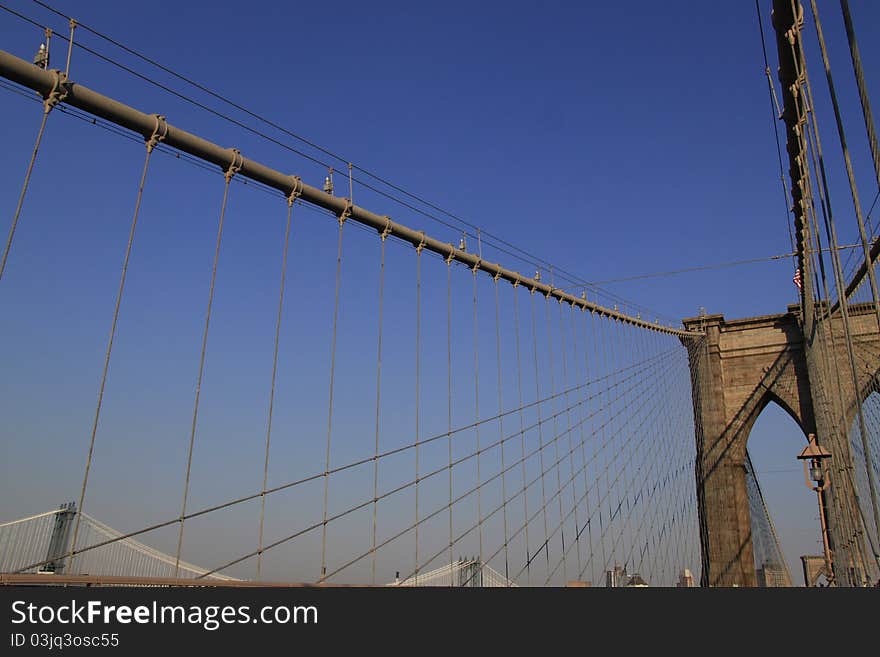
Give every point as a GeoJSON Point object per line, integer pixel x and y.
{"type": "Point", "coordinates": [616, 576]}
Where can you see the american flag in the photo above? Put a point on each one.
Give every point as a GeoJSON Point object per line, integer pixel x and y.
{"type": "Point", "coordinates": [797, 278]}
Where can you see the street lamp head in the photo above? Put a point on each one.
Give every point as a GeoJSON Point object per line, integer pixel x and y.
{"type": "Point", "coordinates": [816, 454]}
{"type": "Point", "coordinates": [814, 450]}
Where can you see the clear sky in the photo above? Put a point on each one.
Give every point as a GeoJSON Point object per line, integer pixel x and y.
{"type": "Point", "coordinates": [609, 139]}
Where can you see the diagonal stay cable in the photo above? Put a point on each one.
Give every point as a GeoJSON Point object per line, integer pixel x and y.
{"type": "Point", "coordinates": [549, 501]}
{"type": "Point", "coordinates": [318, 475]}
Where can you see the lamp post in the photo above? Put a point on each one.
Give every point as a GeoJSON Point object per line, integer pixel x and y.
{"type": "Point", "coordinates": [816, 476]}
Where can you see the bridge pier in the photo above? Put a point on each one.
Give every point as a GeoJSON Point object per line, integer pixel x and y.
{"type": "Point", "coordinates": [740, 367]}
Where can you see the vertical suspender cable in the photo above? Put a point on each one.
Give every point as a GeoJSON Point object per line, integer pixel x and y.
{"type": "Point", "coordinates": [544, 545]}
{"type": "Point", "coordinates": [157, 136]}
{"type": "Point", "coordinates": [55, 96]}
{"type": "Point", "coordinates": [418, 376]}
{"type": "Point", "coordinates": [342, 217]}
{"type": "Point", "coordinates": [583, 380]}
{"type": "Point", "coordinates": [73, 25]}
{"type": "Point", "coordinates": [571, 450]}
{"type": "Point", "coordinates": [602, 410]}
{"type": "Point", "coordinates": [233, 168]}
{"type": "Point", "coordinates": [290, 201]}
{"type": "Point", "coordinates": [384, 237]}
{"type": "Point", "coordinates": [556, 434]}
{"type": "Point", "coordinates": [522, 433]}
{"type": "Point", "coordinates": [449, 402]}
{"type": "Point", "coordinates": [501, 431]}
{"type": "Point", "coordinates": [477, 420]}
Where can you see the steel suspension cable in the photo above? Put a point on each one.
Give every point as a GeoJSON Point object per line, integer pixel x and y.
{"type": "Point", "coordinates": [534, 515]}
{"type": "Point", "coordinates": [461, 497]}
{"type": "Point", "coordinates": [835, 257]}
{"type": "Point", "coordinates": [449, 399]}
{"type": "Point", "coordinates": [570, 442]}
{"type": "Point", "coordinates": [521, 427]}
{"type": "Point", "coordinates": [233, 168]}
{"type": "Point", "coordinates": [50, 101]}
{"type": "Point", "coordinates": [616, 354]}
{"type": "Point", "coordinates": [558, 461]}
{"type": "Point", "coordinates": [810, 143]}
{"type": "Point", "coordinates": [656, 398]}
{"type": "Point", "coordinates": [662, 415]}
{"type": "Point", "coordinates": [290, 201]}
{"type": "Point", "coordinates": [342, 218]}
{"type": "Point", "coordinates": [604, 469]}
{"type": "Point", "coordinates": [653, 397]}
{"type": "Point", "coordinates": [418, 377]}
{"type": "Point", "coordinates": [157, 136]}
{"type": "Point", "coordinates": [611, 485]}
{"type": "Point", "coordinates": [636, 373]}
{"type": "Point", "coordinates": [383, 238]}
{"type": "Point", "coordinates": [849, 169]}
{"type": "Point", "coordinates": [775, 117]}
{"type": "Point", "coordinates": [636, 475]}
{"type": "Point", "coordinates": [550, 359]}
{"type": "Point", "coordinates": [477, 417]}
{"type": "Point", "coordinates": [867, 115]}
{"type": "Point", "coordinates": [581, 377]}
{"type": "Point", "coordinates": [501, 430]}
{"type": "Point", "coordinates": [544, 545]}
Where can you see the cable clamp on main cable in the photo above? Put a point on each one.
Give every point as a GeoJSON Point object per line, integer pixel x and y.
{"type": "Point", "coordinates": [60, 88]}
{"type": "Point", "coordinates": [159, 133]}
{"type": "Point", "coordinates": [345, 213]}
{"type": "Point", "coordinates": [295, 190]}
{"type": "Point", "coordinates": [235, 165]}
{"type": "Point", "coordinates": [387, 230]}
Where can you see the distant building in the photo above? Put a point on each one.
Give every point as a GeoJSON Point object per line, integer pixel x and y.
{"type": "Point", "coordinates": [616, 577]}
{"type": "Point", "coordinates": [636, 581]}
{"type": "Point", "coordinates": [685, 579]}
{"type": "Point", "coordinates": [772, 575]}
{"type": "Point", "coordinates": [814, 568]}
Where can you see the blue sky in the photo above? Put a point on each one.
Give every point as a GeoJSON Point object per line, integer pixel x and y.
{"type": "Point", "coordinates": [610, 140]}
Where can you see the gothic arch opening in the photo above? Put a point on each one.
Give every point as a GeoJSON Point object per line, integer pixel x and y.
{"type": "Point", "coordinates": [774, 442]}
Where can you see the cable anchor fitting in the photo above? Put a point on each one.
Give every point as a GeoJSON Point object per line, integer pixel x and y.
{"type": "Point", "coordinates": [60, 88]}
{"type": "Point", "coordinates": [421, 245]}
{"type": "Point", "coordinates": [159, 133]}
{"type": "Point", "coordinates": [345, 213]}
{"type": "Point", "coordinates": [386, 231]}
{"type": "Point", "coordinates": [235, 165]}
{"type": "Point", "coordinates": [450, 256]}
{"type": "Point", "coordinates": [295, 190]}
